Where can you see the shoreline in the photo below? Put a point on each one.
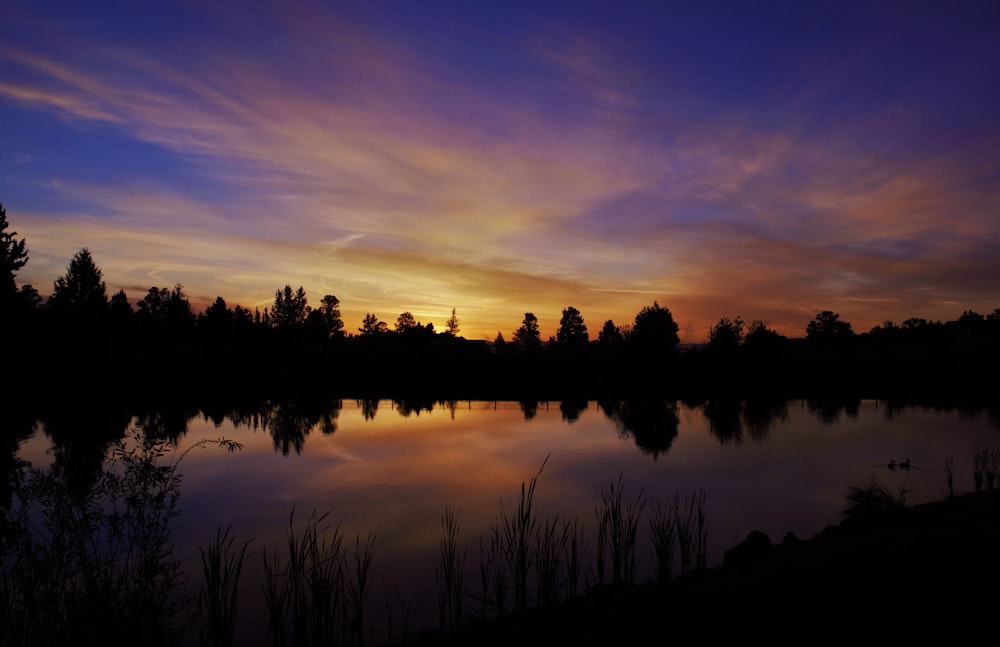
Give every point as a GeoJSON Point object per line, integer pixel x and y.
{"type": "Point", "coordinates": [931, 567]}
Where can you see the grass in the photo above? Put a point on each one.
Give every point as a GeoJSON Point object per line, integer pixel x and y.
{"type": "Point", "coordinates": [222, 565]}
{"type": "Point", "coordinates": [517, 542]}
{"type": "Point", "coordinates": [618, 523]}
{"type": "Point", "coordinates": [100, 568]}
{"type": "Point", "coordinates": [450, 573]}
{"type": "Point", "coordinates": [867, 500]}
{"type": "Point", "coordinates": [97, 566]}
{"type": "Point", "coordinates": [985, 467]}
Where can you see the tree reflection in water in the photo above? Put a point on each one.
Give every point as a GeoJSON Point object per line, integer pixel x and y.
{"type": "Point", "coordinates": [651, 423]}
{"type": "Point", "coordinates": [96, 566]}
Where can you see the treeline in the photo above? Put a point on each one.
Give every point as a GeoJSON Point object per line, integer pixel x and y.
{"type": "Point", "coordinates": [81, 340]}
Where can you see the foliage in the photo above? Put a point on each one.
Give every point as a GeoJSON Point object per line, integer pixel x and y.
{"type": "Point", "coordinates": [81, 292]}
{"type": "Point", "coordinates": [222, 566]}
{"type": "Point", "coordinates": [450, 573]}
{"type": "Point", "coordinates": [13, 257]}
{"type": "Point", "coordinates": [870, 499]}
{"type": "Point", "coordinates": [572, 331]}
{"type": "Point", "coordinates": [528, 335]}
{"type": "Point", "coordinates": [329, 315]}
{"type": "Point", "coordinates": [727, 335]}
{"type": "Point", "coordinates": [610, 334]}
{"type": "Point", "coordinates": [370, 325]}
{"type": "Point", "coordinates": [986, 467]}
{"type": "Point", "coordinates": [166, 308]}
{"type": "Point", "coordinates": [405, 321]}
{"type": "Point", "coordinates": [655, 331]}
{"type": "Point", "coordinates": [452, 325]}
{"type": "Point", "coordinates": [290, 308]}
{"type": "Point", "coordinates": [828, 328]}
{"type": "Point", "coordinates": [97, 568]}
{"type": "Point", "coordinates": [516, 532]}
{"type": "Point", "coordinates": [304, 595]}
{"type": "Point", "coordinates": [618, 524]}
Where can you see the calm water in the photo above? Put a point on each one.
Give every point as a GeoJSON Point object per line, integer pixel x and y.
{"type": "Point", "coordinates": [392, 471]}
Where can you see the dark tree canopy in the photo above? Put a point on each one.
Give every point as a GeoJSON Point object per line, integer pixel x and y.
{"type": "Point", "coordinates": [167, 307]}
{"type": "Point", "coordinates": [528, 334]}
{"type": "Point", "coordinates": [290, 308]}
{"type": "Point", "coordinates": [217, 315]}
{"type": "Point", "coordinates": [405, 321]}
{"type": "Point", "coordinates": [572, 331]}
{"type": "Point", "coordinates": [828, 328]}
{"type": "Point", "coordinates": [13, 257]}
{"type": "Point", "coordinates": [371, 325]}
{"type": "Point", "coordinates": [329, 309]}
{"type": "Point", "coordinates": [655, 330]}
{"type": "Point", "coordinates": [81, 292]}
{"type": "Point", "coordinates": [451, 326]}
{"type": "Point", "coordinates": [610, 334]}
{"type": "Point", "coordinates": [727, 335]}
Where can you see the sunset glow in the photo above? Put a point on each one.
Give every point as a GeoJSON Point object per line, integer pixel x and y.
{"type": "Point", "coordinates": [724, 160]}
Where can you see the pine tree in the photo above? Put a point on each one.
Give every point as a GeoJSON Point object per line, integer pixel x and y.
{"type": "Point", "coordinates": [13, 257]}
{"type": "Point", "coordinates": [81, 293]}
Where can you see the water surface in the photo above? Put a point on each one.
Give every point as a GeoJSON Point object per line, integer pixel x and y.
{"type": "Point", "coordinates": [390, 470]}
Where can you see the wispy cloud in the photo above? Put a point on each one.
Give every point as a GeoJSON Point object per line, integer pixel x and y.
{"type": "Point", "coordinates": [345, 160]}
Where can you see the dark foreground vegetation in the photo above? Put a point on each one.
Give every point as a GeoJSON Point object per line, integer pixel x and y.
{"type": "Point", "coordinates": [97, 568]}
{"type": "Point", "coordinates": [79, 341]}
{"type": "Point", "coordinates": [915, 574]}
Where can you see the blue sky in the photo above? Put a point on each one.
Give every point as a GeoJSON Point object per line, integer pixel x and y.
{"type": "Point", "coordinates": [767, 160]}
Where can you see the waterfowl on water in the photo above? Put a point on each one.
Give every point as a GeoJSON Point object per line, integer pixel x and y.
{"type": "Point", "coordinates": [905, 465]}
{"type": "Point", "coordinates": [892, 464]}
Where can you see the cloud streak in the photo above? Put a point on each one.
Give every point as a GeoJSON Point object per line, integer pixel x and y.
{"type": "Point", "coordinates": [353, 160]}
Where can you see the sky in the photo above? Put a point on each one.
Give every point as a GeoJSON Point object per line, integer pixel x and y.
{"type": "Point", "coordinates": [761, 160]}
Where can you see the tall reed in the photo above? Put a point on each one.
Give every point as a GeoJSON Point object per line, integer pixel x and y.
{"type": "Point", "coordinates": [97, 566]}
{"type": "Point", "coordinates": [618, 523]}
{"type": "Point", "coordinates": [406, 607]}
{"type": "Point", "coordinates": [663, 535]}
{"type": "Point", "coordinates": [360, 585]}
{"type": "Point", "coordinates": [550, 543]}
{"type": "Point", "coordinates": [493, 574]}
{"type": "Point", "coordinates": [450, 573]}
{"type": "Point", "coordinates": [980, 455]}
{"type": "Point", "coordinates": [222, 565]}
{"type": "Point", "coordinates": [576, 558]}
{"type": "Point", "coordinates": [517, 530]}
{"type": "Point", "coordinates": [303, 594]}
{"type": "Point", "coordinates": [949, 470]}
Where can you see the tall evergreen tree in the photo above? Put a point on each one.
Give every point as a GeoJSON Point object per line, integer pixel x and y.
{"type": "Point", "coordinates": [81, 292]}
{"type": "Point", "coordinates": [572, 331]}
{"type": "Point", "coordinates": [528, 335]}
{"type": "Point", "coordinates": [13, 257]}
{"type": "Point", "coordinates": [290, 308]}
{"type": "Point", "coordinates": [452, 324]}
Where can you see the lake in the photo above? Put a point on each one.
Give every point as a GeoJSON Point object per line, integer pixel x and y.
{"type": "Point", "coordinates": [390, 469]}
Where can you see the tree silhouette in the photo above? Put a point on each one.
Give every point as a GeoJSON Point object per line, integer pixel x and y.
{"type": "Point", "coordinates": [654, 331]}
{"type": "Point", "coordinates": [329, 310]}
{"type": "Point", "coordinates": [827, 328]}
{"type": "Point", "coordinates": [405, 321]}
{"type": "Point", "coordinates": [370, 325]}
{"type": "Point", "coordinates": [527, 335]}
{"type": "Point", "coordinates": [165, 311]}
{"type": "Point", "coordinates": [81, 292]}
{"type": "Point", "coordinates": [451, 326]}
{"type": "Point", "coordinates": [727, 335]}
{"type": "Point", "coordinates": [290, 308]}
{"type": "Point", "coordinates": [610, 334]}
{"type": "Point", "coordinates": [13, 257]}
{"type": "Point", "coordinates": [572, 331]}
